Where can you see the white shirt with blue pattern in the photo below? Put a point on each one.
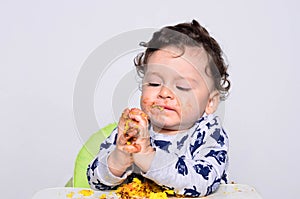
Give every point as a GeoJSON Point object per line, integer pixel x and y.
{"type": "Point", "coordinates": [193, 163]}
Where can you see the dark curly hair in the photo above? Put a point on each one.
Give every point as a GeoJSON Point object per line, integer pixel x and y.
{"type": "Point", "coordinates": [188, 35]}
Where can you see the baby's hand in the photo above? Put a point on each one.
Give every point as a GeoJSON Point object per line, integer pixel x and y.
{"type": "Point", "coordinates": [144, 153]}
{"type": "Point", "coordinates": [120, 158]}
{"type": "Point", "coordinates": [133, 126]}
{"type": "Point", "coordinates": [134, 137]}
{"type": "Point", "coordinates": [142, 141]}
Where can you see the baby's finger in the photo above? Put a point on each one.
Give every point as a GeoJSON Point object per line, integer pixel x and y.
{"type": "Point", "coordinates": [141, 119]}
{"type": "Point", "coordinates": [136, 111]}
{"type": "Point", "coordinates": [143, 125]}
{"type": "Point", "coordinates": [132, 148]}
{"type": "Point", "coordinates": [125, 113]}
{"type": "Point", "coordinates": [143, 141]}
{"type": "Point", "coordinates": [122, 122]}
{"type": "Point", "coordinates": [132, 132]}
{"type": "Point", "coordinates": [122, 140]}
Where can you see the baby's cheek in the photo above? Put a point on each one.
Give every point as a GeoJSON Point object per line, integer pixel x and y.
{"type": "Point", "coordinates": [144, 100]}
{"type": "Point", "coordinates": [145, 104]}
{"type": "Point", "coordinates": [188, 108]}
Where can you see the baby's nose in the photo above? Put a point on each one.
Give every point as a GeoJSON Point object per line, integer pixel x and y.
{"type": "Point", "coordinates": [166, 92]}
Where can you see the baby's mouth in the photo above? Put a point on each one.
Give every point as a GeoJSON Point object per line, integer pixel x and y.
{"type": "Point", "coordinates": [156, 106]}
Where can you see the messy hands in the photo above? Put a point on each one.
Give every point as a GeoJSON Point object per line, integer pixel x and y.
{"type": "Point", "coordinates": [133, 138]}
{"type": "Point", "coordinates": [133, 135]}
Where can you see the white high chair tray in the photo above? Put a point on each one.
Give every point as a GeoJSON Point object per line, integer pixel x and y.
{"type": "Point", "coordinates": [225, 191]}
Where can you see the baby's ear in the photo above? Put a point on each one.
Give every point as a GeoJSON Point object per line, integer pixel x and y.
{"type": "Point", "coordinates": [213, 102]}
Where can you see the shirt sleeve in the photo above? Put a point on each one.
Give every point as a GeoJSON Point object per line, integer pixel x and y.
{"type": "Point", "coordinates": [198, 170]}
{"type": "Point", "coordinates": [98, 174]}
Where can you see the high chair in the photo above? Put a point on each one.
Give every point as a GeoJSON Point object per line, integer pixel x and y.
{"type": "Point", "coordinates": [86, 154]}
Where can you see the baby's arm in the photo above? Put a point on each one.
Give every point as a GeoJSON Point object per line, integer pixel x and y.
{"type": "Point", "coordinates": [98, 173]}
{"type": "Point", "coordinates": [120, 158]}
{"type": "Point", "coordinates": [112, 164]}
{"type": "Point", "coordinates": [199, 170]}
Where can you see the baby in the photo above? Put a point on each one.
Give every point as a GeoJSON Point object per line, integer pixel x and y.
{"type": "Point", "coordinates": [175, 139]}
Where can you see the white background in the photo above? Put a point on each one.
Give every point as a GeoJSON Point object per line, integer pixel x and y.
{"type": "Point", "coordinates": [44, 44]}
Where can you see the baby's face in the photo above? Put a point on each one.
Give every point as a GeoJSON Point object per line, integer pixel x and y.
{"type": "Point", "coordinates": [176, 90]}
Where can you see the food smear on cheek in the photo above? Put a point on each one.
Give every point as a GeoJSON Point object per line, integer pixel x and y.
{"type": "Point", "coordinates": [146, 104]}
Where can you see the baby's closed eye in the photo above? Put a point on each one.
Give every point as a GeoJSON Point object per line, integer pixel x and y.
{"type": "Point", "coordinates": [183, 86]}
{"type": "Point", "coordinates": [154, 84]}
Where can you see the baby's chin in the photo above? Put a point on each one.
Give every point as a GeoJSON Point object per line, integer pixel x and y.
{"type": "Point", "coordinates": [160, 126]}
{"type": "Point", "coordinates": [171, 125]}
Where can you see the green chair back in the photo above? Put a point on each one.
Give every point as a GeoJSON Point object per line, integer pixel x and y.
{"type": "Point", "coordinates": [87, 153]}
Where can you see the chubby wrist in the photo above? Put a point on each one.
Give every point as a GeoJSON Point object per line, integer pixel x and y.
{"type": "Point", "coordinates": [147, 150]}
{"type": "Point", "coordinates": [118, 161]}
{"type": "Point", "coordinates": [144, 159]}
